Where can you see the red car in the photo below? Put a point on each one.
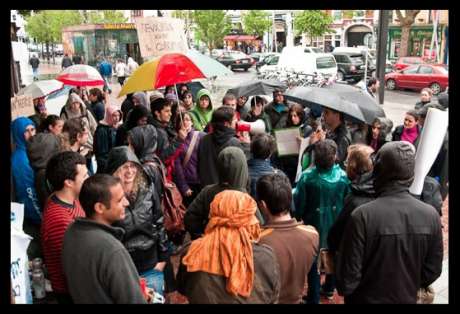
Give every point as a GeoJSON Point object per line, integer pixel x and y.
{"type": "Point", "coordinates": [405, 62]}
{"type": "Point", "coordinates": [418, 77]}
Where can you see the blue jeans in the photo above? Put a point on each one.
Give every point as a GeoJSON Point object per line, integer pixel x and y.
{"type": "Point", "coordinates": [35, 73]}
{"type": "Point", "coordinates": [314, 284]}
{"type": "Point", "coordinates": [154, 280]}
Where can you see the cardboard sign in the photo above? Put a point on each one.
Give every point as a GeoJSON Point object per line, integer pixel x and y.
{"type": "Point", "coordinates": [160, 35]}
{"type": "Point", "coordinates": [22, 106]}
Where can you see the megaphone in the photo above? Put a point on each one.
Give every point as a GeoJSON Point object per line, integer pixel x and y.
{"type": "Point", "coordinates": [256, 127]}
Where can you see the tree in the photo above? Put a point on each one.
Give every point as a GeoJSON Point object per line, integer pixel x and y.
{"type": "Point", "coordinates": [256, 22]}
{"type": "Point", "coordinates": [314, 23]}
{"type": "Point", "coordinates": [105, 16]}
{"type": "Point", "coordinates": [211, 27]}
{"type": "Point", "coordinates": [188, 17]}
{"type": "Point", "coordinates": [406, 22]}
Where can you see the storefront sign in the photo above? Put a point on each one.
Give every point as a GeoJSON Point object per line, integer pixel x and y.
{"type": "Point", "coordinates": [21, 106]}
{"type": "Point", "coordinates": [119, 26]}
{"type": "Point", "coordinates": [160, 35]}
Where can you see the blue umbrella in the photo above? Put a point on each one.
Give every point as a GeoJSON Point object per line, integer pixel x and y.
{"type": "Point", "coordinates": [207, 65]}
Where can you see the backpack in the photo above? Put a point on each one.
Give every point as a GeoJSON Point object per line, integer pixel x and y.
{"type": "Point", "coordinates": [172, 206]}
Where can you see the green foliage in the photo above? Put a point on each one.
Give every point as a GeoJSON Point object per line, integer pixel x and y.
{"type": "Point", "coordinates": [105, 16]}
{"type": "Point", "coordinates": [211, 27]}
{"type": "Point", "coordinates": [314, 23]}
{"type": "Point", "coordinates": [257, 22]}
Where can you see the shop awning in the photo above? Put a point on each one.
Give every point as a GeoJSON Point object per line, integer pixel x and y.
{"type": "Point", "coordinates": [240, 37]}
{"type": "Point", "coordinates": [246, 37]}
{"type": "Point", "coordinates": [231, 37]}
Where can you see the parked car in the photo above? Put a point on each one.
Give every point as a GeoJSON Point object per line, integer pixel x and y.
{"type": "Point", "coordinates": [418, 77]}
{"type": "Point", "coordinates": [312, 50]}
{"type": "Point", "coordinates": [350, 66]}
{"type": "Point", "coordinates": [236, 60]}
{"type": "Point", "coordinates": [266, 58]}
{"type": "Point", "coordinates": [296, 59]}
{"type": "Point", "coordinates": [269, 63]}
{"type": "Point", "coordinates": [404, 62]}
{"type": "Point", "coordinates": [256, 56]}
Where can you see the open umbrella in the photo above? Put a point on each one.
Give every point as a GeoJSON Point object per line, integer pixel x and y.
{"type": "Point", "coordinates": [257, 87]}
{"type": "Point", "coordinates": [169, 69]}
{"type": "Point", "coordinates": [366, 103]}
{"type": "Point", "coordinates": [80, 75]}
{"type": "Point", "coordinates": [41, 88]}
{"type": "Point", "coordinates": [207, 65]}
{"type": "Point", "coordinates": [313, 97]}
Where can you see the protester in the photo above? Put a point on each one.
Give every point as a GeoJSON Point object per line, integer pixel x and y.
{"type": "Point", "coordinates": [227, 264]}
{"type": "Point", "coordinates": [105, 136]}
{"type": "Point", "coordinates": [40, 112]}
{"type": "Point", "coordinates": [359, 166]}
{"type": "Point", "coordinates": [425, 98]}
{"type": "Point", "coordinates": [262, 147]}
{"type": "Point", "coordinates": [66, 62]}
{"type": "Point", "coordinates": [40, 148]}
{"type": "Point", "coordinates": [120, 71]}
{"type": "Point", "coordinates": [126, 106]}
{"type": "Point", "coordinates": [97, 267]}
{"type": "Point", "coordinates": [52, 124]}
{"type": "Point", "coordinates": [319, 197]}
{"type": "Point", "coordinates": [257, 112]}
{"type": "Point", "coordinates": [223, 135]}
{"type": "Point", "coordinates": [145, 239]}
{"type": "Point", "coordinates": [66, 173]}
{"type": "Point", "coordinates": [202, 113]}
{"type": "Point", "coordinates": [297, 118]}
{"type": "Point", "coordinates": [359, 132]}
{"type": "Point", "coordinates": [139, 115]}
{"type": "Point", "coordinates": [410, 130]}
{"type": "Point", "coordinates": [393, 245]}
{"type": "Point", "coordinates": [96, 103]}
{"type": "Point", "coordinates": [277, 110]}
{"type": "Point", "coordinates": [187, 101]}
{"type": "Point", "coordinates": [377, 135]}
{"type": "Point", "coordinates": [34, 63]}
{"type": "Point", "coordinates": [240, 107]}
{"type": "Point", "coordinates": [22, 130]}
{"type": "Point", "coordinates": [232, 175]}
{"type": "Point", "coordinates": [373, 85]}
{"type": "Point", "coordinates": [140, 99]}
{"type": "Point", "coordinates": [294, 244]}
{"type": "Point", "coordinates": [186, 165]}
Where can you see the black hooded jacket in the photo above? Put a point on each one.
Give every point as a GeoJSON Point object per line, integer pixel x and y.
{"type": "Point", "coordinates": [133, 116]}
{"type": "Point", "coordinates": [392, 246]}
{"type": "Point", "coordinates": [145, 238]}
{"type": "Point", "coordinates": [168, 141]}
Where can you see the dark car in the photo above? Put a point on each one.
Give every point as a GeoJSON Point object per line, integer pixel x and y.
{"type": "Point", "coordinates": [350, 66]}
{"type": "Point", "coordinates": [236, 60]}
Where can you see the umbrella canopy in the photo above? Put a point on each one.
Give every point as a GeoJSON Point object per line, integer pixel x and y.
{"type": "Point", "coordinates": [169, 69]}
{"type": "Point", "coordinates": [257, 87]}
{"type": "Point", "coordinates": [80, 75]}
{"type": "Point", "coordinates": [368, 105]}
{"type": "Point", "coordinates": [313, 97]}
{"type": "Point", "coordinates": [41, 88]}
{"type": "Point", "coordinates": [207, 65]}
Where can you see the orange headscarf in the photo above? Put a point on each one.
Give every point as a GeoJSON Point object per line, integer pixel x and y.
{"type": "Point", "coordinates": [226, 247]}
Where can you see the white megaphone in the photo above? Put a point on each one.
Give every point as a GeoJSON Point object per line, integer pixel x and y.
{"type": "Point", "coordinates": [256, 127]}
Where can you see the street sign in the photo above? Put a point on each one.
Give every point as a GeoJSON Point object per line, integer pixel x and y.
{"type": "Point", "coordinates": [160, 35]}
{"type": "Point", "coordinates": [22, 106]}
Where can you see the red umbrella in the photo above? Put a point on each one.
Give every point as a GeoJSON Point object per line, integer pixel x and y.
{"type": "Point", "coordinates": [80, 75]}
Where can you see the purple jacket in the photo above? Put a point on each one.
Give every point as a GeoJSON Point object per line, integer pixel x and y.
{"type": "Point", "coordinates": [188, 174]}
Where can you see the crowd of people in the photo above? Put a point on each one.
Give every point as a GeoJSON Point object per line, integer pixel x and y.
{"type": "Point", "coordinates": [244, 229]}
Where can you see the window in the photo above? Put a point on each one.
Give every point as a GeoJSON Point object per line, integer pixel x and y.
{"type": "Point", "coordinates": [136, 13]}
{"type": "Point", "coordinates": [425, 70]}
{"type": "Point", "coordinates": [337, 15]}
{"type": "Point", "coordinates": [338, 58]}
{"type": "Point", "coordinates": [325, 62]}
{"type": "Point", "coordinates": [411, 70]}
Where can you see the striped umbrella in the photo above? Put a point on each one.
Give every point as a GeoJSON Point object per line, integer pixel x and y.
{"type": "Point", "coordinates": [80, 75]}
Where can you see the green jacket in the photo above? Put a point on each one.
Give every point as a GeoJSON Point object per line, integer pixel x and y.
{"type": "Point", "coordinates": [200, 117]}
{"type": "Point", "coordinates": [319, 198]}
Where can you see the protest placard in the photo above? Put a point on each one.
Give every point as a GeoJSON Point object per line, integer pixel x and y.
{"type": "Point", "coordinates": [160, 35]}
{"type": "Point", "coordinates": [22, 106]}
{"type": "Point", "coordinates": [286, 141]}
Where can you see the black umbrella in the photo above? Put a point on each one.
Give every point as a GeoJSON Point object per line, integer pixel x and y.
{"type": "Point", "coordinates": [313, 97]}
{"type": "Point", "coordinates": [366, 102]}
{"type": "Point", "coordinates": [257, 87]}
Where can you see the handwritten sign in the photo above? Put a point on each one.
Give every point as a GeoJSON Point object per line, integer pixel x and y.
{"type": "Point", "coordinates": [22, 106]}
{"type": "Point", "coordinates": [20, 282]}
{"type": "Point", "coordinates": [160, 35]}
{"type": "Point", "coordinates": [286, 141]}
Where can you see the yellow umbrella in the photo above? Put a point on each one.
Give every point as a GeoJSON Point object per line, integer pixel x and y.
{"type": "Point", "coordinates": [169, 69]}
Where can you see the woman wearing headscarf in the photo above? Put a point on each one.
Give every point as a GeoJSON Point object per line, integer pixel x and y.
{"type": "Point", "coordinates": [202, 113]}
{"type": "Point", "coordinates": [140, 98]}
{"type": "Point", "coordinates": [227, 265]}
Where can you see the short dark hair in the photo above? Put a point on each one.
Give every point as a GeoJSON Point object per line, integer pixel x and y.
{"type": "Point", "coordinates": [276, 191]}
{"type": "Point", "coordinates": [325, 154]}
{"type": "Point", "coordinates": [413, 113]}
{"type": "Point", "coordinates": [371, 81]}
{"type": "Point", "coordinates": [97, 92]}
{"type": "Point", "coordinates": [96, 189]}
{"type": "Point", "coordinates": [228, 96]}
{"type": "Point", "coordinates": [61, 167]}
{"type": "Point", "coordinates": [74, 127]}
{"type": "Point", "coordinates": [223, 114]}
{"type": "Point", "coordinates": [256, 100]}
{"type": "Point", "coordinates": [158, 104]}
{"type": "Point", "coordinates": [262, 146]}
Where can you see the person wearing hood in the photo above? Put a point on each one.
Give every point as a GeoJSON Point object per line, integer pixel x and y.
{"type": "Point", "coordinates": [318, 199]}
{"type": "Point", "coordinates": [40, 113]}
{"type": "Point", "coordinates": [127, 105]}
{"type": "Point", "coordinates": [23, 129]}
{"type": "Point", "coordinates": [233, 174]}
{"type": "Point", "coordinates": [131, 66]}
{"type": "Point", "coordinates": [145, 238]}
{"type": "Point", "coordinates": [392, 246]}
{"type": "Point", "coordinates": [277, 110]}
{"type": "Point", "coordinates": [139, 115]}
{"type": "Point", "coordinates": [359, 168]}
{"type": "Point", "coordinates": [223, 135]}
{"type": "Point", "coordinates": [140, 99]}
{"type": "Point", "coordinates": [105, 135]}
{"type": "Point", "coordinates": [40, 148]}
{"type": "Point", "coordinates": [202, 113]}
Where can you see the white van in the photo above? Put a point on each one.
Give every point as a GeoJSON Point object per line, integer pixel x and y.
{"type": "Point", "coordinates": [296, 59]}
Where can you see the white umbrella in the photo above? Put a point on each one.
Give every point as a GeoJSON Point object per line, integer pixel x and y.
{"type": "Point", "coordinates": [41, 88]}
{"type": "Point", "coordinates": [80, 75]}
